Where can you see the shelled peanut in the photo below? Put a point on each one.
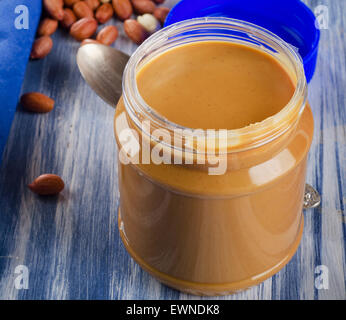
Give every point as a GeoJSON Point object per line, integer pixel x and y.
{"type": "Point", "coordinates": [82, 17]}
{"type": "Point", "coordinates": [36, 102]}
{"type": "Point", "coordinates": [104, 13]}
{"type": "Point", "coordinates": [47, 185]}
{"type": "Point", "coordinates": [83, 28]}
{"type": "Point", "coordinates": [107, 35]}
{"type": "Point", "coordinates": [82, 10]}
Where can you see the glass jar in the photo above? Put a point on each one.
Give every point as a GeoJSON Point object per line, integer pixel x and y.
{"type": "Point", "coordinates": [196, 230]}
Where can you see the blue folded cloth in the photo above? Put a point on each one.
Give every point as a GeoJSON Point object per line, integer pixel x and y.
{"type": "Point", "coordinates": [18, 23]}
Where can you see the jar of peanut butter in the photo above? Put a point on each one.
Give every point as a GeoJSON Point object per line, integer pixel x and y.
{"type": "Point", "coordinates": [213, 131]}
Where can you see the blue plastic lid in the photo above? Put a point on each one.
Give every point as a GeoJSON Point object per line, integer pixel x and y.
{"type": "Point", "coordinates": [291, 20]}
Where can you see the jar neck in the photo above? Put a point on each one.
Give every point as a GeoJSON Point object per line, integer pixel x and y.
{"type": "Point", "coordinates": [214, 29]}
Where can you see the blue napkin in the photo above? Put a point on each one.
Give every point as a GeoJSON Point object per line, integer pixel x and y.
{"type": "Point", "coordinates": [18, 23]}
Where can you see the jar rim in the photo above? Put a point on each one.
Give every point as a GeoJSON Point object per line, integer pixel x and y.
{"type": "Point", "coordinates": [262, 132]}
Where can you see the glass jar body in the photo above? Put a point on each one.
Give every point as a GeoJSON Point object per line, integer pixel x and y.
{"type": "Point", "coordinates": [215, 234]}
{"type": "Point", "coordinates": [218, 234]}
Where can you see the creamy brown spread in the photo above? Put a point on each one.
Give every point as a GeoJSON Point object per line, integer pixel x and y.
{"type": "Point", "coordinates": [215, 85]}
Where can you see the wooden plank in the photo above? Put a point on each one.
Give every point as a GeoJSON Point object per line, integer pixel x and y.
{"type": "Point", "coordinates": [71, 245]}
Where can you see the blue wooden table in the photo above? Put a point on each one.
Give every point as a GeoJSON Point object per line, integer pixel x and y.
{"type": "Point", "coordinates": [70, 244]}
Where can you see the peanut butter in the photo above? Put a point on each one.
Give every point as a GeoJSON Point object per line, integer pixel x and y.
{"type": "Point", "coordinates": [215, 85]}
{"type": "Point", "coordinates": [216, 234]}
